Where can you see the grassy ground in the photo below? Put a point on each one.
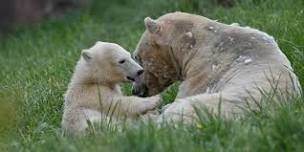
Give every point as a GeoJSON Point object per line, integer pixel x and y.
{"type": "Point", "coordinates": [36, 64]}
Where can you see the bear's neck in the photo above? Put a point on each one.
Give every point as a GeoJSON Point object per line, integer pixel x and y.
{"type": "Point", "coordinates": [197, 59]}
{"type": "Point", "coordinates": [191, 61]}
{"type": "Point", "coordinates": [206, 61]}
{"type": "Point", "coordinates": [83, 78]}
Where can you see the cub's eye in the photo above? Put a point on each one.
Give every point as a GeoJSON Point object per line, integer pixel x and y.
{"type": "Point", "coordinates": [122, 61]}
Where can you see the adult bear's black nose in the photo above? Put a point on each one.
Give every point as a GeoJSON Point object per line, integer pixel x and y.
{"type": "Point", "coordinates": [141, 91]}
{"type": "Point", "coordinates": [139, 72]}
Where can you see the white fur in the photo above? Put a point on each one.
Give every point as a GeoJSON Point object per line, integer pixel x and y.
{"type": "Point", "coordinates": [94, 94]}
{"type": "Point", "coordinates": [227, 63]}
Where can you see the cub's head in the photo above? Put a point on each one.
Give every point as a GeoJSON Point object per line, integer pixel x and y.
{"type": "Point", "coordinates": [158, 52]}
{"type": "Point", "coordinates": [110, 63]}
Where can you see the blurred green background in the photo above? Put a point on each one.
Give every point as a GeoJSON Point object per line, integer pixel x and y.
{"type": "Point", "coordinates": [37, 58]}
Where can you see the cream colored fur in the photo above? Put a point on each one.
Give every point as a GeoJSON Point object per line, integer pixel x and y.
{"type": "Point", "coordinates": [94, 94]}
{"type": "Point", "coordinates": [216, 63]}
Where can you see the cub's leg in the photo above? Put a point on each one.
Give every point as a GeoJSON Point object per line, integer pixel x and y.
{"type": "Point", "coordinates": [133, 106]}
{"type": "Point", "coordinates": [75, 121]}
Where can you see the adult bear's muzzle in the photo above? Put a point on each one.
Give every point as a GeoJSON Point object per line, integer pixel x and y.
{"type": "Point", "coordinates": [139, 88]}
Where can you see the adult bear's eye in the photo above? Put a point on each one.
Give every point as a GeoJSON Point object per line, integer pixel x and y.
{"type": "Point", "coordinates": [137, 59]}
{"type": "Point", "coordinates": [122, 61]}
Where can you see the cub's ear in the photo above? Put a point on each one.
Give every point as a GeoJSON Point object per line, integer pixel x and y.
{"type": "Point", "coordinates": [189, 39]}
{"type": "Point", "coordinates": [86, 55]}
{"type": "Point", "coordinates": [152, 25]}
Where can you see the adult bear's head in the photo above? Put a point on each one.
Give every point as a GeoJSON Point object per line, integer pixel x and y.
{"type": "Point", "coordinates": [160, 52]}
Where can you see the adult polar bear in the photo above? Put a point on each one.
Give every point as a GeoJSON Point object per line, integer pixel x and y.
{"type": "Point", "coordinates": [216, 63]}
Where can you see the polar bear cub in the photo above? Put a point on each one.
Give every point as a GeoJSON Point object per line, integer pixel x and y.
{"type": "Point", "coordinates": [94, 90]}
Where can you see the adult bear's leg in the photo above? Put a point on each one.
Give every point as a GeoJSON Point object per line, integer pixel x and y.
{"type": "Point", "coordinates": [186, 110]}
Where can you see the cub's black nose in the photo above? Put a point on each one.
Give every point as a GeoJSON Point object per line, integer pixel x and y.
{"type": "Point", "coordinates": [139, 72]}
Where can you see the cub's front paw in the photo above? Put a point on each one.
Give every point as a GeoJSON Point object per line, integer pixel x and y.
{"type": "Point", "coordinates": [155, 101]}
{"type": "Point", "coordinates": [150, 103]}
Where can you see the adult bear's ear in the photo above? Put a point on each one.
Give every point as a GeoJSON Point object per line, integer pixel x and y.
{"type": "Point", "coordinates": [86, 55]}
{"type": "Point", "coordinates": [189, 39]}
{"type": "Point", "coordinates": [152, 25]}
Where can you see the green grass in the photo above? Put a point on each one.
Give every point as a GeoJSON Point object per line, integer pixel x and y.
{"type": "Point", "coordinates": [36, 63]}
